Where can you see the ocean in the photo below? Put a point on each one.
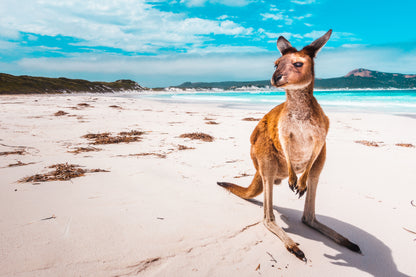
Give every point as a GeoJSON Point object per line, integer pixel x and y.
{"type": "Point", "coordinates": [378, 101]}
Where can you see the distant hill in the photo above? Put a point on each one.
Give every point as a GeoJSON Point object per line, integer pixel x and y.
{"type": "Point", "coordinates": [10, 84]}
{"type": "Point", "coordinates": [356, 79]}
{"type": "Point", "coordinates": [364, 78]}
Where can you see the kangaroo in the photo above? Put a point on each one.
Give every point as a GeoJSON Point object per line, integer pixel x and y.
{"type": "Point", "coordinates": [290, 140]}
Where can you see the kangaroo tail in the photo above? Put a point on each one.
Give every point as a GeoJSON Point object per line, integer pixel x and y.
{"type": "Point", "coordinates": [255, 188]}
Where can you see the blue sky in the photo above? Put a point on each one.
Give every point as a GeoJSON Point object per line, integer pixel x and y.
{"type": "Point", "coordinates": [162, 43]}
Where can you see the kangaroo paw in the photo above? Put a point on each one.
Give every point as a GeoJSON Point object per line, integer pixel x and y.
{"type": "Point", "coordinates": [292, 183]}
{"type": "Point", "coordinates": [301, 192]}
{"type": "Point", "coordinates": [297, 252]}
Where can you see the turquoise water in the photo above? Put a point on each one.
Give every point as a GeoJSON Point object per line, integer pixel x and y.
{"type": "Point", "coordinates": [389, 101]}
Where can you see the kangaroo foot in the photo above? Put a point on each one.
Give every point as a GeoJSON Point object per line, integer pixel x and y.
{"type": "Point", "coordinates": [351, 246]}
{"type": "Point", "coordinates": [297, 252]}
{"type": "Point", "coordinates": [335, 236]}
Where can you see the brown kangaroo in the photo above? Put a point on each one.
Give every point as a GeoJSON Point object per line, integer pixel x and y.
{"type": "Point", "coordinates": [289, 140]}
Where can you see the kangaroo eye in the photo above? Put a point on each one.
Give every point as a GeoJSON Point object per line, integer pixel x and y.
{"type": "Point", "coordinates": [298, 64]}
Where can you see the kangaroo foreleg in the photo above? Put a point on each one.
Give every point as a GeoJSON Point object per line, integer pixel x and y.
{"type": "Point", "coordinates": [301, 185]}
{"type": "Point", "coordinates": [293, 179]}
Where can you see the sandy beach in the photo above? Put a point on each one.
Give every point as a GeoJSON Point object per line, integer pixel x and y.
{"type": "Point", "coordinates": [151, 206]}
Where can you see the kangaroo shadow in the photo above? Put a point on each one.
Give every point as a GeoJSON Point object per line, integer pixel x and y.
{"type": "Point", "coordinates": [376, 258]}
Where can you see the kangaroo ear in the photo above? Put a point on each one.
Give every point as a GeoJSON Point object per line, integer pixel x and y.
{"type": "Point", "coordinates": [284, 46]}
{"type": "Point", "coordinates": [313, 48]}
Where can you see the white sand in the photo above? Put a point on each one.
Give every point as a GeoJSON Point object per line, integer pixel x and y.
{"type": "Point", "coordinates": [152, 216]}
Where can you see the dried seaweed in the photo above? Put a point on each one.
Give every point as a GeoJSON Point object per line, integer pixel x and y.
{"type": "Point", "coordinates": [83, 149]}
{"type": "Point", "coordinates": [131, 133]}
{"type": "Point", "coordinates": [184, 147]}
{"type": "Point", "coordinates": [107, 138]}
{"type": "Point", "coordinates": [408, 145]}
{"type": "Point", "coordinates": [242, 175]}
{"type": "Point", "coordinates": [62, 172]}
{"type": "Point", "coordinates": [15, 152]}
{"type": "Point", "coordinates": [60, 113]}
{"type": "Point", "coordinates": [368, 143]}
{"type": "Point", "coordinates": [211, 122]}
{"type": "Point", "coordinates": [198, 136]}
{"type": "Point", "coordinates": [162, 156]}
{"type": "Point", "coordinates": [115, 107]}
{"type": "Point", "coordinates": [250, 119]}
{"type": "Point", "coordinates": [19, 163]}
{"type": "Point", "coordinates": [84, 105]}
{"type": "Point", "coordinates": [48, 218]}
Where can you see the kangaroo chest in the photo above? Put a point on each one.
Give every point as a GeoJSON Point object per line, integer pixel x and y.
{"type": "Point", "coordinates": [298, 138]}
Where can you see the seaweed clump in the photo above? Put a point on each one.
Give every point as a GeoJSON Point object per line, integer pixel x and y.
{"type": "Point", "coordinates": [107, 138]}
{"type": "Point", "coordinates": [62, 172]}
{"type": "Point", "coordinates": [368, 143]}
{"type": "Point", "coordinates": [83, 149]}
{"type": "Point", "coordinates": [198, 136]}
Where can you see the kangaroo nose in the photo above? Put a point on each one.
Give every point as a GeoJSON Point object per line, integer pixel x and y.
{"type": "Point", "coordinates": [277, 78]}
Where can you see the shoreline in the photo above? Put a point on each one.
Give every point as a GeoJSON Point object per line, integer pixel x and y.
{"type": "Point", "coordinates": [248, 100]}
{"type": "Point", "coordinates": [158, 210]}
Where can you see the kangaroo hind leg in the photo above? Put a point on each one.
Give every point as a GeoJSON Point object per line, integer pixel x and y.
{"type": "Point", "coordinates": [268, 177]}
{"type": "Point", "coordinates": [309, 217]}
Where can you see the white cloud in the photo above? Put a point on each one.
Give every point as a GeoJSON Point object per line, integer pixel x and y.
{"type": "Point", "coordinates": [276, 17]}
{"type": "Point", "coordinates": [302, 16]}
{"type": "Point", "coordinates": [273, 8]}
{"type": "Point", "coordinates": [303, 2]}
{"type": "Point", "coordinates": [8, 32]}
{"type": "Point", "coordinates": [200, 3]}
{"type": "Point", "coordinates": [335, 36]}
{"type": "Point", "coordinates": [282, 15]}
{"type": "Point", "coordinates": [222, 17]}
{"type": "Point", "coordinates": [287, 35]}
{"type": "Point", "coordinates": [223, 49]}
{"type": "Point", "coordinates": [315, 34]}
{"type": "Point", "coordinates": [129, 25]}
{"type": "Point", "coordinates": [4, 45]}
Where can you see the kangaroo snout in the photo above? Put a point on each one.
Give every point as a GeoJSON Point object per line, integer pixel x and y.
{"type": "Point", "coordinates": [277, 79]}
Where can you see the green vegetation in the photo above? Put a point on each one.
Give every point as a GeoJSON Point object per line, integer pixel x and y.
{"type": "Point", "coordinates": [363, 78]}
{"type": "Point", "coordinates": [10, 84]}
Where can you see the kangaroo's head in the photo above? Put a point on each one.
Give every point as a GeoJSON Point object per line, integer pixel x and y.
{"type": "Point", "coordinates": [295, 69]}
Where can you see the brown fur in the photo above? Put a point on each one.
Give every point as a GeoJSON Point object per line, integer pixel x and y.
{"type": "Point", "coordinates": [290, 140]}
